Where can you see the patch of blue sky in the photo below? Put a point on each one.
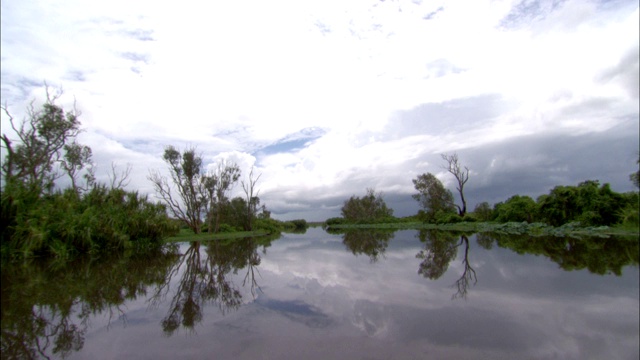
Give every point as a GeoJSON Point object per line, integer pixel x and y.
{"type": "Point", "coordinates": [286, 146]}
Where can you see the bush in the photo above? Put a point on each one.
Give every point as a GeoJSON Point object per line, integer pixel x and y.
{"type": "Point", "coordinates": [335, 221]}
{"type": "Point", "coordinates": [299, 224]}
{"type": "Point", "coordinates": [269, 225]}
{"type": "Point", "coordinates": [469, 218]}
{"type": "Point", "coordinates": [369, 209]}
{"type": "Point", "coordinates": [447, 218]}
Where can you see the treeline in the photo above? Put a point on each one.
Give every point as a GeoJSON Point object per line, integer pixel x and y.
{"type": "Point", "coordinates": [39, 218]}
{"type": "Point", "coordinates": [587, 204]}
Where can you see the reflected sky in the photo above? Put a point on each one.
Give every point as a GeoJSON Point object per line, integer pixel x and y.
{"type": "Point", "coordinates": [313, 298]}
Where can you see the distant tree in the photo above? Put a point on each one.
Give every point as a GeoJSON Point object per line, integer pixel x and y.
{"type": "Point", "coordinates": [589, 203]}
{"type": "Point", "coordinates": [432, 196]}
{"type": "Point", "coordinates": [635, 177]}
{"type": "Point", "coordinates": [217, 186]}
{"type": "Point", "coordinates": [370, 208]}
{"type": "Point", "coordinates": [516, 208]}
{"type": "Point", "coordinates": [454, 167]}
{"type": "Point", "coordinates": [252, 199]}
{"type": "Point", "coordinates": [187, 176]}
{"type": "Point", "coordinates": [483, 211]}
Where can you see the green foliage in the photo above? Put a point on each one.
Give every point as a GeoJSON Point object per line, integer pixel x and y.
{"type": "Point", "coordinates": [516, 208]}
{"type": "Point", "coordinates": [271, 226]}
{"type": "Point", "coordinates": [370, 208]}
{"type": "Point", "coordinates": [432, 196]}
{"type": "Point", "coordinates": [186, 171]}
{"type": "Point", "coordinates": [65, 223]}
{"type": "Point", "coordinates": [36, 220]}
{"type": "Point", "coordinates": [46, 140]}
{"type": "Point", "coordinates": [442, 217]}
{"type": "Point", "coordinates": [298, 226]}
{"type": "Point", "coordinates": [483, 211]}
{"type": "Point", "coordinates": [588, 203]}
{"type": "Point", "coordinates": [334, 221]}
{"type": "Point", "coordinates": [469, 218]}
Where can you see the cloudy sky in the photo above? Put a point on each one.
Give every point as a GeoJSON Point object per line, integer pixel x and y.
{"type": "Point", "coordinates": [328, 98]}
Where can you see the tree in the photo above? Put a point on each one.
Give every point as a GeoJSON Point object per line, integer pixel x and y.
{"type": "Point", "coordinates": [46, 140]}
{"type": "Point", "coordinates": [36, 220]}
{"type": "Point", "coordinates": [76, 157]}
{"type": "Point", "coordinates": [432, 196]}
{"type": "Point", "coordinates": [483, 211]}
{"type": "Point", "coordinates": [217, 185]}
{"type": "Point", "coordinates": [186, 175]}
{"type": "Point", "coordinates": [454, 167]}
{"type": "Point", "coordinates": [251, 197]}
{"type": "Point", "coordinates": [370, 208]}
{"type": "Point", "coordinates": [635, 177]}
{"type": "Point", "coordinates": [516, 208]}
{"type": "Point", "coordinates": [589, 203]}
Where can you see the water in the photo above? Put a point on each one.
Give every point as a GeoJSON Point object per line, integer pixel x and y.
{"type": "Point", "coordinates": [372, 295]}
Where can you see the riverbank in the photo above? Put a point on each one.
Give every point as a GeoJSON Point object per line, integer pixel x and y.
{"type": "Point", "coordinates": [535, 229]}
{"type": "Point", "coordinates": [186, 235]}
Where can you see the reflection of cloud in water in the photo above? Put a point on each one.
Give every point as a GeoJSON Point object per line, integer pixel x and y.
{"type": "Point", "coordinates": [372, 318]}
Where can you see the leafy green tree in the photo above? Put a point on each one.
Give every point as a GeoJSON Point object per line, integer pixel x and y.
{"type": "Point", "coordinates": [39, 218]}
{"type": "Point", "coordinates": [186, 173]}
{"type": "Point", "coordinates": [516, 208]}
{"type": "Point", "coordinates": [461, 175]}
{"type": "Point", "coordinates": [432, 196]}
{"type": "Point", "coordinates": [371, 208]}
{"type": "Point", "coordinates": [45, 139]}
{"type": "Point", "coordinates": [589, 203]}
{"type": "Point", "coordinates": [217, 186]}
{"type": "Point", "coordinates": [483, 211]}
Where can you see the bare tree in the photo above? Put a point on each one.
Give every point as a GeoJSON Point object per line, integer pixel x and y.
{"type": "Point", "coordinates": [454, 167]}
{"type": "Point", "coordinates": [186, 175]}
{"type": "Point", "coordinates": [118, 180]}
{"type": "Point", "coordinates": [252, 198]}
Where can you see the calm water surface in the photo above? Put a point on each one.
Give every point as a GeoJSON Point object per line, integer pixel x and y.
{"type": "Point", "coordinates": [366, 295]}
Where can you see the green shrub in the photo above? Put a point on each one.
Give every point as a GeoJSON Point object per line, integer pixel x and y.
{"type": "Point", "coordinates": [335, 221]}
{"type": "Point", "coordinates": [447, 218]}
{"type": "Point", "coordinates": [269, 225]}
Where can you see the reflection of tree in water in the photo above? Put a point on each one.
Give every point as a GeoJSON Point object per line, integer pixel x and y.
{"type": "Point", "coordinates": [371, 242]}
{"type": "Point", "coordinates": [46, 306]}
{"type": "Point", "coordinates": [440, 248]}
{"type": "Point", "coordinates": [204, 280]}
{"type": "Point", "coordinates": [597, 254]}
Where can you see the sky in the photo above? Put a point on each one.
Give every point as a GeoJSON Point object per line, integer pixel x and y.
{"type": "Point", "coordinates": [328, 98]}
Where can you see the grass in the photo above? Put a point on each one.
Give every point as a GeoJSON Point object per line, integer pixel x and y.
{"type": "Point", "coordinates": [186, 235]}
